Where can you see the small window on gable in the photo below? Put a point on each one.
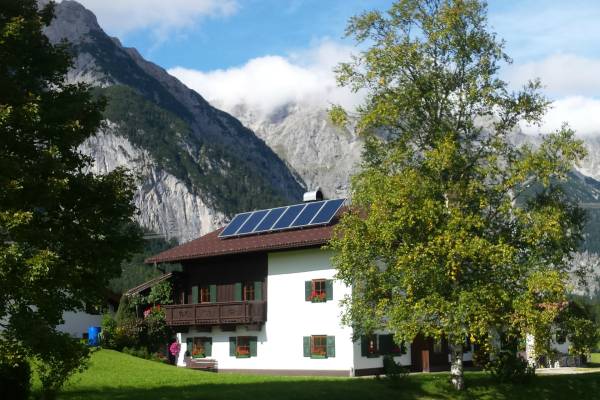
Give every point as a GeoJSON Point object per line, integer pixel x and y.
{"type": "Point", "coordinates": [319, 290]}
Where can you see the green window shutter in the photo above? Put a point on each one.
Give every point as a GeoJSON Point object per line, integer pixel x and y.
{"type": "Point", "coordinates": [208, 347]}
{"type": "Point", "coordinates": [194, 294]}
{"type": "Point", "coordinates": [258, 290]}
{"type": "Point", "coordinates": [237, 291]}
{"type": "Point", "coordinates": [307, 290]}
{"type": "Point", "coordinates": [330, 346]}
{"type": "Point", "coordinates": [232, 345]}
{"type": "Point", "coordinates": [306, 340]}
{"type": "Point", "coordinates": [253, 345]}
{"type": "Point", "coordinates": [213, 293]}
{"type": "Point", "coordinates": [364, 343]}
{"type": "Point", "coordinates": [386, 344]}
{"type": "Point", "coordinates": [329, 289]}
{"type": "Point", "coordinates": [190, 344]}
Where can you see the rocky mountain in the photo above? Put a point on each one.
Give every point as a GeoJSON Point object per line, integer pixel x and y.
{"type": "Point", "coordinates": [196, 165]}
{"type": "Point", "coordinates": [302, 134]}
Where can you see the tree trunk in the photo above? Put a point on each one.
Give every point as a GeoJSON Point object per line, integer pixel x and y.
{"type": "Point", "coordinates": [456, 366]}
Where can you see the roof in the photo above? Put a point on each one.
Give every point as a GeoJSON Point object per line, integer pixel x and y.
{"type": "Point", "coordinates": [210, 245]}
{"type": "Point", "coordinates": [148, 284]}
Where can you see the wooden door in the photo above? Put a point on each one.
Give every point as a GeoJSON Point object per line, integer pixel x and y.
{"type": "Point", "coordinates": [425, 360]}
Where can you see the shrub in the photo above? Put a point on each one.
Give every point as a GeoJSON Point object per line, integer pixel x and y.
{"type": "Point", "coordinates": [507, 366]}
{"type": "Point", "coordinates": [108, 334]}
{"type": "Point", "coordinates": [393, 371]}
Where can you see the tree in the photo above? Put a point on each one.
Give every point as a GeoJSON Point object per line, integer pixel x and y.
{"type": "Point", "coordinates": [63, 230]}
{"type": "Point", "coordinates": [445, 236]}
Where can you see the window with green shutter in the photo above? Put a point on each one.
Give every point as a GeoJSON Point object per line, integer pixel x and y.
{"type": "Point", "coordinates": [243, 346]}
{"type": "Point", "coordinates": [329, 289]}
{"type": "Point", "coordinates": [319, 346]}
{"type": "Point", "coordinates": [369, 346]}
{"type": "Point", "coordinates": [307, 290]}
{"type": "Point", "coordinates": [201, 347]}
{"type": "Point", "coordinates": [213, 293]}
{"type": "Point", "coordinates": [194, 294]}
{"type": "Point", "coordinates": [189, 342]}
{"type": "Point", "coordinates": [306, 345]}
{"type": "Point", "coordinates": [237, 291]}
{"type": "Point", "coordinates": [318, 290]}
{"type": "Point", "coordinates": [232, 345]}
{"type": "Point", "coordinates": [330, 346]}
{"type": "Point", "coordinates": [387, 345]}
{"type": "Point", "coordinates": [253, 345]}
{"type": "Point", "coordinates": [258, 290]}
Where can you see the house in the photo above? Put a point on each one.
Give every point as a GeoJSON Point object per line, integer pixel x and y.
{"type": "Point", "coordinates": [77, 323]}
{"type": "Point", "coordinates": [260, 296]}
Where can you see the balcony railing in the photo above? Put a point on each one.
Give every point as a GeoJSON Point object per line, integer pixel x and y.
{"type": "Point", "coordinates": [234, 312]}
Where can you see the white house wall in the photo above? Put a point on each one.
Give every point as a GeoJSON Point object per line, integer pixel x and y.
{"type": "Point", "coordinates": [289, 318]}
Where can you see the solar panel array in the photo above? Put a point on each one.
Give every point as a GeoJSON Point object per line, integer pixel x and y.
{"type": "Point", "coordinates": [282, 218]}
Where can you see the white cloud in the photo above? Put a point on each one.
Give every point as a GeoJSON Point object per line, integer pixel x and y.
{"type": "Point", "coordinates": [561, 74]}
{"type": "Point", "coordinates": [269, 82]}
{"type": "Point", "coordinates": [582, 114]}
{"type": "Point", "coordinates": [159, 16]}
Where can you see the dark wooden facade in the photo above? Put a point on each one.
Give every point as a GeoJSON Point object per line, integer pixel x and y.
{"type": "Point", "coordinates": [426, 356]}
{"type": "Point", "coordinates": [225, 276]}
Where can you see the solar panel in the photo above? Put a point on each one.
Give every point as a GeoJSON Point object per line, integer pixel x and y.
{"type": "Point", "coordinates": [280, 218]}
{"type": "Point", "coordinates": [327, 212]}
{"type": "Point", "coordinates": [289, 216]}
{"type": "Point", "coordinates": [270, 219]}
{"type": "Point", "coordinates": [308, 213]}
{"type": "Point", "coordinates": [252, 222]}
{"type": "Point", "coordinates": [235, 224]}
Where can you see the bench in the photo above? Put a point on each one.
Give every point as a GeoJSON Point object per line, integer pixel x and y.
{"type": "Point", "coordinates": [206, 364]}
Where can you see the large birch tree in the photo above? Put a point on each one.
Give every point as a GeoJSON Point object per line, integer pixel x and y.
{"type": "Point", "coordinates": [445, 236]}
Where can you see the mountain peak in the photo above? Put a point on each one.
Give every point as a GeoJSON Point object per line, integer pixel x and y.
{"type": "Point", "coordinates": [76, 22]}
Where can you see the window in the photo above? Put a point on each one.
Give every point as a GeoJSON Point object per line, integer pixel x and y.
{"type": "Point", "coordinates": [368, 346]}
{"type": "Point", "coordinates": [204, 294]}
{"type": "Point", "coordinates": [242, 346]}
{"type": "Point", "coordinates": [248, 291]}
{"type": "Point", "coordinates": [318, 290]}
{"type": "Point", "coordinates": [376, 345]}
{"type": "Point", "coordinates": [319, 346]}
{"type": "Point", "coordinates": [199, 347]}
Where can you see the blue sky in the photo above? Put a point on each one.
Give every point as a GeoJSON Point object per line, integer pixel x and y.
{"type": "Point", "coordinates": [268, 52]}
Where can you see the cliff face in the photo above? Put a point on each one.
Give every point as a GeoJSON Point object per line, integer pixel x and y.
{"type": "Point", "coordinates": [319, 152]}
{"type": "Point", "coordinates": [197, 165]}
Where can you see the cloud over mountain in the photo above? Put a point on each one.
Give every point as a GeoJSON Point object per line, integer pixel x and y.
{"type": "Point", "coordinates": [269, 82]}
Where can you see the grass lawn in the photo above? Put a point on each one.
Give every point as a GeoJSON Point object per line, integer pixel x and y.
{"type": "Point", "coordinates": [594, 360]}
{"type": "Point", "coordinates": [118, 376]}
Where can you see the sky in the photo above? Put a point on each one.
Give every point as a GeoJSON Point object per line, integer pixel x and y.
{"type": "Point", "coordinates": [266, 53]}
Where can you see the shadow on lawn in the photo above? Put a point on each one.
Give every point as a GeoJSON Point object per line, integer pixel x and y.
{"type": "Point", "coordinates": [434, 386]}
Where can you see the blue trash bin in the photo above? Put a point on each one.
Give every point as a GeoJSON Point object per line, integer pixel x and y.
{"type": "Point", "coordinates": [94, 336]}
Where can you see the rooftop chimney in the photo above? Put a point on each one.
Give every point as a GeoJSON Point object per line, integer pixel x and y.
{"type": "Point", "coordinates": [315, 195]}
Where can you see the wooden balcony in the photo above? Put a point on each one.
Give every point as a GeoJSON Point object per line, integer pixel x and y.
{"type": "Point", "coordinates": [207, 314]}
